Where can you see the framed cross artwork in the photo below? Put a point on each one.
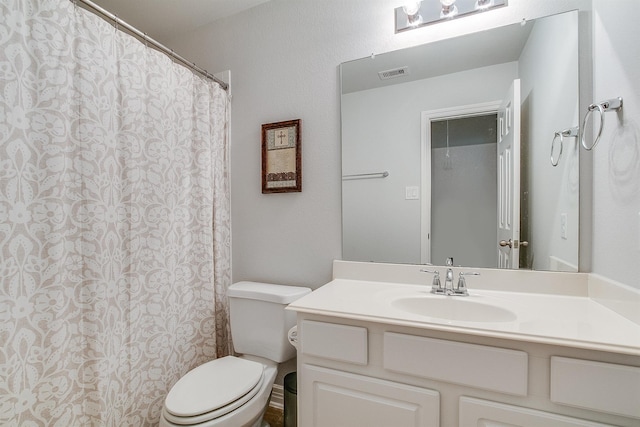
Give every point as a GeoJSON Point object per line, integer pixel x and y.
{"type": "Point", "coordinates": [281, 157]}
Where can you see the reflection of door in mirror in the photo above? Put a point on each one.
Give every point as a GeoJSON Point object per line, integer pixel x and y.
{"type": "Point", "coordinates": [472, 185]}
{"type": "Point", "coordinates": [509, 179]}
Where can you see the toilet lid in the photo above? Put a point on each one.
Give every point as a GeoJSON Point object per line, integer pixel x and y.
{"type": "Point", "coordinates": [214, 385]}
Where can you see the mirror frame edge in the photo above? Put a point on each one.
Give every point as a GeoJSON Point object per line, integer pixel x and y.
{"type": "Point", "coordinates": [585, 94]}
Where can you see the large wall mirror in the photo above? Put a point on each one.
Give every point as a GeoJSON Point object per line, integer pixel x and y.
{"type": "Point", "coordinates": [447, 150]}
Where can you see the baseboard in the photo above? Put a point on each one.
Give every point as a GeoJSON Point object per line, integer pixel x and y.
{"type": "Point", "coordinates": [277, 397]}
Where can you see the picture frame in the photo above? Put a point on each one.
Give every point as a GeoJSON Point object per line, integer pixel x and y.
{"type": "Point", "coordinates": [282, 157]}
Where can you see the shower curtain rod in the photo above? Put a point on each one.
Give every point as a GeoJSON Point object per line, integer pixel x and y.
{"type": "Point", "coordinates": [162, 48]}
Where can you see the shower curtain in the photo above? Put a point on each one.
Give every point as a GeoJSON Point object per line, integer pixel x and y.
{"type": "Point", "coordinates": [114, 220]}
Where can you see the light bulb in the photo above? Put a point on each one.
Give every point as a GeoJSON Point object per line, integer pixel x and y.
{"type": "Point", "coordinates": [449, 8]}
{"type": "Point", "coordinates": [412, 8]}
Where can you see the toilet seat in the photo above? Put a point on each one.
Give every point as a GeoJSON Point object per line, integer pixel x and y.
{"type": "Point", "coordinates": [212, 390]}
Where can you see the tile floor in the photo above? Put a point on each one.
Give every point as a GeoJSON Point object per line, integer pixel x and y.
{"type": "Point", "coordinates": [275, 417]}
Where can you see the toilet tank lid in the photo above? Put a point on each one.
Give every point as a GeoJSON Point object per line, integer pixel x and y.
{"type": "Point", "coordinates": [280, 294]}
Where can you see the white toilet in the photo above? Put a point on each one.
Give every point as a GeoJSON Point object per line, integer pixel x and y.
{"type": "Point", "coordinates": [234, 391]}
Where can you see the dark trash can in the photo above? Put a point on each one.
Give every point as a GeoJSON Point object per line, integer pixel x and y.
{"type": "Point", "coordinates": [290, 400]}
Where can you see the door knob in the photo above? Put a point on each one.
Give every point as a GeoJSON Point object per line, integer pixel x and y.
{"type": "Point", "coordinates": [504, 243]}
{"type": "Point", "coordinates": [510, 243]}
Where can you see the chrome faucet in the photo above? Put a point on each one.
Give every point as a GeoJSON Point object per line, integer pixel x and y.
{"type": "Point", "coordinates": [448, 289]}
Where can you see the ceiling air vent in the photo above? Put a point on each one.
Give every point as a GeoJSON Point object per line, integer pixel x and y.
{"type": "Point", "coordinates": [392, 74]}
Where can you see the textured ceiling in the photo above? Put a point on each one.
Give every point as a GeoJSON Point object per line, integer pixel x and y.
{"type": "Point", "coordinates": [164, 19]}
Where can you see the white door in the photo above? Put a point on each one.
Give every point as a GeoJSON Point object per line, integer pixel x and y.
{"type": "Point", "coordinates": [509, 179]}
{"type": "Point", "coordinates": [330, 398]}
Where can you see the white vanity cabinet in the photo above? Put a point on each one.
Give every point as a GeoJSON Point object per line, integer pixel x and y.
{"type": "Point", "coordinates": [357, 373]}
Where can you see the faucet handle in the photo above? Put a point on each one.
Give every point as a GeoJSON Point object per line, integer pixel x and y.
{"type": "Point", "coordinates": [461, 289]}
{"type": "Point", "coordinates": [436, 286]}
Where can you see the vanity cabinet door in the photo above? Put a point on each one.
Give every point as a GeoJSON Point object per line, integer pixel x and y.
{"type": "Point", "coordinates": [330, 398]}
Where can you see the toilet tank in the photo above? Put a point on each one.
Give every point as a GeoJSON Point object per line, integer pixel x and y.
{"type": "Point", "coordinates": [259, 322]}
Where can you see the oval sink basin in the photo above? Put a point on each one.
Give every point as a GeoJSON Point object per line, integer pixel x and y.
{"type": "Point", "coordinates": [454, 308]}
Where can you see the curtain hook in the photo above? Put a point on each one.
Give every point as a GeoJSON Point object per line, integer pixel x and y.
{"type": "Point", "coordinates": [146, 40]}
{"type": "Point", "coordinates": [117, 22]}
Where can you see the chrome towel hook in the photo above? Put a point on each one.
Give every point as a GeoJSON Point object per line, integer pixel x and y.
{"type": "Point", "coordinates": [571, 132]}
{"type": "Point", "coordinates": [614, 104]}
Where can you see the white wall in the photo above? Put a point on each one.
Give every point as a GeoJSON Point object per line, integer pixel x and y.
{"type": "Point", "coordinates": [548, 69]}
{"type": "Point", "coordinates": [284, 58]}
{"type": "Point", "coordinates": [379, 224]}
{"type": "Point", "coordinates": [616, 174]}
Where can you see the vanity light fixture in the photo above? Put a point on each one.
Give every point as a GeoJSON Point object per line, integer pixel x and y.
{"type": "Point", "coordinates": [416, 14]}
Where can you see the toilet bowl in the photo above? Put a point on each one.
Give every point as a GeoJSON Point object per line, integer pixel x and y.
{"type": "Point", "coordinates": [234, 391]}
{"type": "Point", "coordinates": [248, 386]}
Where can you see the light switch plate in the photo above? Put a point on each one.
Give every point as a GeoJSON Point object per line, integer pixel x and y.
{"type": "Point", "coordinates": [412, 193]}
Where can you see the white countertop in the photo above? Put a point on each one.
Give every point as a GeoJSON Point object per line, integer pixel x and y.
{"type": "Point", "coordinates": [574, 321]}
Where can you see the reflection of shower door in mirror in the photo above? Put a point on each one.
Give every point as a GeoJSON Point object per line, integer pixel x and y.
{"type": "Point", "coordinates": [459, 185]}
{"type": "Point", "coordinates": [509, 179]}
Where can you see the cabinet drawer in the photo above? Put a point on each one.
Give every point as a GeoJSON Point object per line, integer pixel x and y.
{"type": "Point", "coordinates": [331, 341]}
{"type": "Point", "coordinates": [489, 368]}
{"type": "Point", "coordinates": [598, 386]}
{"type": "Point", "coordinates": [476, 412]}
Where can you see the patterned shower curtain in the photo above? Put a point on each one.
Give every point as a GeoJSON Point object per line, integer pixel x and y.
{"type": "Point", "coordinates": [114, 220]}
